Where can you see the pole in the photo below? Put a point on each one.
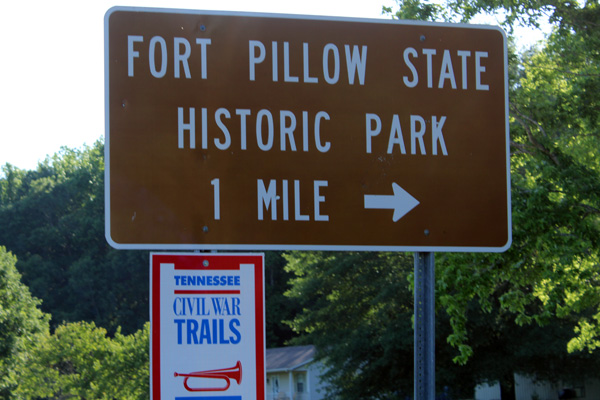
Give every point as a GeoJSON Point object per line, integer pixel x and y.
{"type": "Point", "coordinates": [424, 326]}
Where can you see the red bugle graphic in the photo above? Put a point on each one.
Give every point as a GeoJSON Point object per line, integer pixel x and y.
{"type": "Point", "coordinates": [226, 374]}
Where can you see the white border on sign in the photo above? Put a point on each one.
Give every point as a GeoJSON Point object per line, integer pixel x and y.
{"type": "Point", "coordinates": [254, 247]}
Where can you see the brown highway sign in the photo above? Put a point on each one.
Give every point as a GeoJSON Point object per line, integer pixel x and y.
{"type": "Point", "coordinates": [262, 131]}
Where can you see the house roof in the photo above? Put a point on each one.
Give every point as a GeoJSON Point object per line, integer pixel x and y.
{"type": "Point", "coordinates": [289, 358]}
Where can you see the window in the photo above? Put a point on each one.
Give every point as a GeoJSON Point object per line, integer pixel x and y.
{"type": "Point", "coordinates": [300, 384]}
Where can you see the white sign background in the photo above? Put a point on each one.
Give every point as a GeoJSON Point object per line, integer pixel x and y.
{"type": "Point", "coordinates": [207, 327]}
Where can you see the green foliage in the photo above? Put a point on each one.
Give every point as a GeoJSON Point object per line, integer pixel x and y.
{"type": "Point", "coordinates": [349, 300]}
{"type": "Point", "coordinates": [357, 310]}
{"type": "Point", "coordinates": [20, 322]}
{"type": "Point", "coordinates": [552, 267]}
{"type": "Point", "coordinates": [279, 308]}
{"type": "Point", "coordinates": [551, 271]}
{"type": "Point", "coordinates": [534, 309]}
{"type": "Point", "coordinates": [53, 220]}
{"type": "Point", "coordinates": [565, 14]}
{"type": "Point", "coordinates": [423, 11]}
{"type": "Point", "coordinates": [80, 361]}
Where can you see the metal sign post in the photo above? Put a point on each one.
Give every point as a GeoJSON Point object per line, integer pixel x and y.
{"type": "Point", "coordinates": [424, 326]}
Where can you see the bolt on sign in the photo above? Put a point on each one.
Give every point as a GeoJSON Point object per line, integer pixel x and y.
{"type": "Point", "coordinates": [247, 131]}
{"type": "Point", "coordinates": [207, 326]}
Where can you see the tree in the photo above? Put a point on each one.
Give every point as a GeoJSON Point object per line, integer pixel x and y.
{"type": "Point", "coordinates": [278, 308]}
{"type": "Point", "coordinates": [20, 322]}
{"type": "Point", "coordinates": [357, 310]}
{"type": "Point", "coordinates": [344, 317]}
{"type": "Point", "coordinates": [80, 361]}
{"type": "Point", "coordinates": [539, 299]}
{"type": "Point", "coordinates": [550, 274]}
{"type": "Point", "coordinates": [53, 220]}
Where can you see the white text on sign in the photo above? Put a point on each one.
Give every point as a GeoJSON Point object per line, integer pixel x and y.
{"type": "Point", "coordinates": [286, 130]}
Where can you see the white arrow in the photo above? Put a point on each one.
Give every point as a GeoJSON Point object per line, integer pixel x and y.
{"type": "Point", "coordinates": [401, 202]}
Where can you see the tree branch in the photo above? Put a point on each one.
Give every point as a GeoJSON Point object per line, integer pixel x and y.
{"type": "Point", "coordinates": [523, 120]}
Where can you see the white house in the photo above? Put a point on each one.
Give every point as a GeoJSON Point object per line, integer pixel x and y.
{"type": "Point", "coordinates": [528, 389]}
{"type": "Point", "coordinates": [293, 374]}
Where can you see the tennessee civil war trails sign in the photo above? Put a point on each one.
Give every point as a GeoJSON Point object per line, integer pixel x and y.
{"type": "Point", "coordinates": [246, 131]}
{"type": "Point", "coordinates": [207, 326]}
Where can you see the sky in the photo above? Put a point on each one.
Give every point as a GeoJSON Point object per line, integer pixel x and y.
{"type": "Point", "coordinates": [52, 65]}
